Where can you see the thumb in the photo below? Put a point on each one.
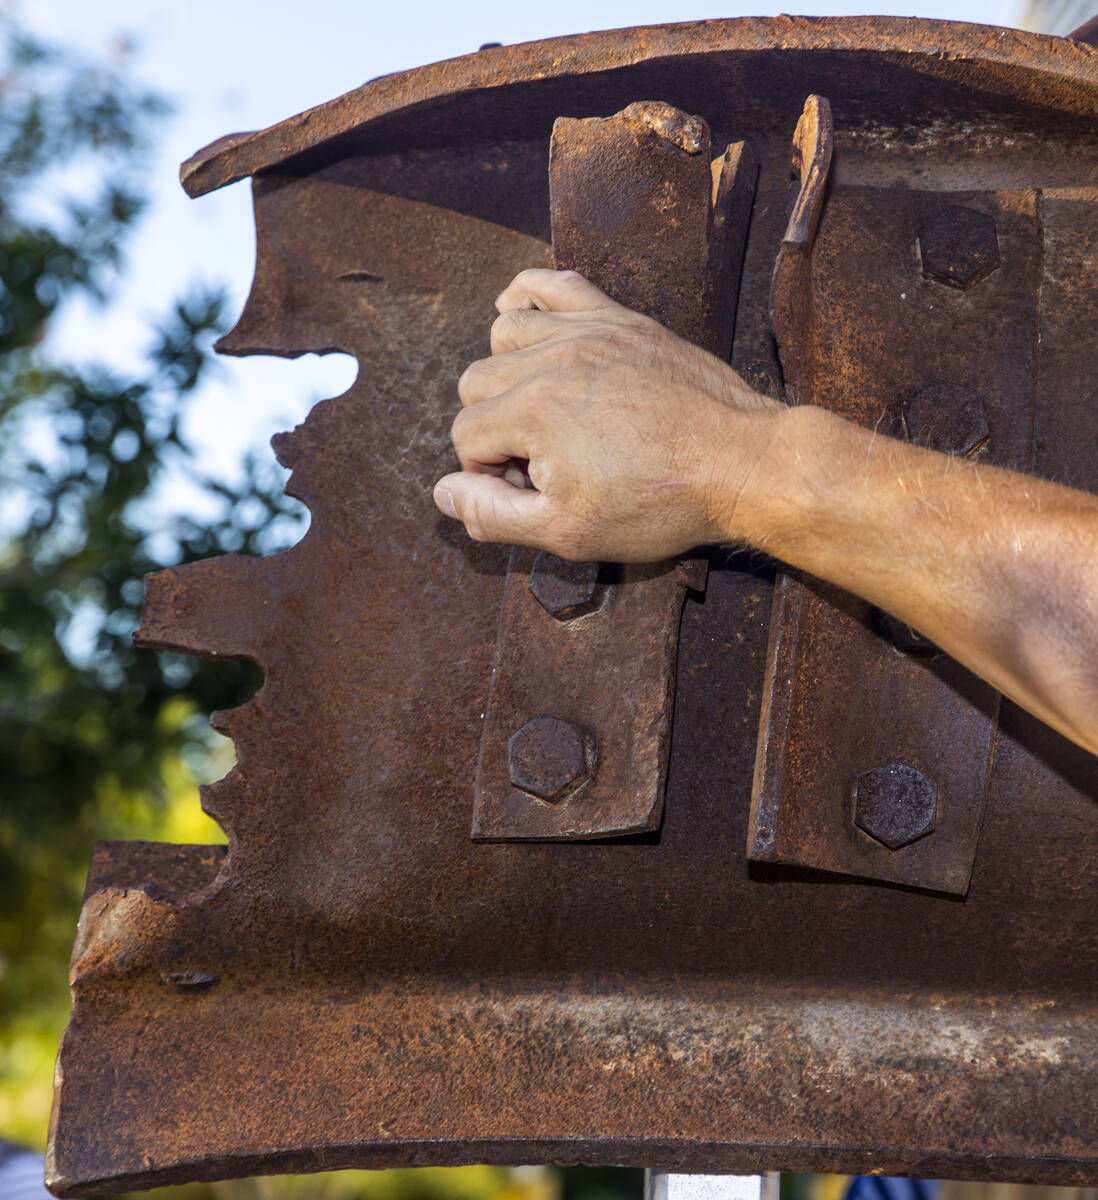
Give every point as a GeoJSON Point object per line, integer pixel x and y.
{"type": "Point", "coordinates": [490, 508]}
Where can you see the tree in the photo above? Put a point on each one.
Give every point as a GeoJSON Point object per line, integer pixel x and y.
{"type": "Point", "coordinates": [91, 732]}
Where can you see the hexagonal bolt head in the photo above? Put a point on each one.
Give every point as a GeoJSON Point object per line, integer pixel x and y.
{"type": "Point", "coordinates": [565, 589]}
{"type": "Point", "coordinates": [550, 758]}
{"type": "Point", "coordinates": [945, 417]}
{"type": "Point", "coordinates": [895, 804]}
{"type": "Point", "coordinates": [902, 636]}
{"type": "Point", "coordinates": [958, 246]}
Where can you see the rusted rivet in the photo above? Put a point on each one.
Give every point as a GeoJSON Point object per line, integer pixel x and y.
{"type": "Point", "coordinates": [902, 636]}
{"type": "Point", "coordinates": [945, 417]}
{"type": "Point", "coordinates": [565, 589]}
{"type": "Point", "coordinates": [190, 981]}
{"type": "Point", "coordinates": [895, 804]}
{"type": "Point", "coordinates": [958, 246]}
{"type": "Point", "coordinates": [550, 758]}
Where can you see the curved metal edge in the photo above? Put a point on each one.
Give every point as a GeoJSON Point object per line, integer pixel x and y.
{"type": "Point", "coordinates": [812, 144]}
{"type": "Point", "coordinates": [666, 1155]}
{"type": "Point", "coordinates": [237, 156]}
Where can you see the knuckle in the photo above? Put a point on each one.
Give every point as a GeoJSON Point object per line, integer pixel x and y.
{"type": "Point", "coordinates": [507, 326]}
{"type": "Point", "coordinates": [529, 278]}
{"type": "Point", "coordinates": [568, 287]}
{"type": "Point", "coordinates": [468, 379]}
{"type": "Point", "coordinates": [459, 427]}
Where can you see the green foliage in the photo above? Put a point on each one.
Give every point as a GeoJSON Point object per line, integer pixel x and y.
{"type": "Point", "coordinates": [90, 730]}
{"type": "Point", "coordinates": [63, 118]}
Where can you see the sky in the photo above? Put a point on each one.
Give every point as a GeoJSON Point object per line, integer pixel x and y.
{"type": "Point", "coordinates": [244, 64]}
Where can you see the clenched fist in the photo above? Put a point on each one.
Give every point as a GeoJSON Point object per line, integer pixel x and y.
{"type": "Point", "coordinates": [594, 432]}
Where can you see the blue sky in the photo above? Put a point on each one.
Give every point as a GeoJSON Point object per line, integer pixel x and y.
{"type": "Point", "coordinates": [244, 64]}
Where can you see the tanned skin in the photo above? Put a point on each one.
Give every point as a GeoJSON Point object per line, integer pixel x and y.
{"type": "Point", "coordinates": [641, 446]}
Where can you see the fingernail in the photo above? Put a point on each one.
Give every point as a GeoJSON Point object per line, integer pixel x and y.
{"type": "Point", "coordinates": [445, 500]}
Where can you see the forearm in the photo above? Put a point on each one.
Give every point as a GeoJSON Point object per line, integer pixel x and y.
{"type": "Point", "coordinates": [998, 569]}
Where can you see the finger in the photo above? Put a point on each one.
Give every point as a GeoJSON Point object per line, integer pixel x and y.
{"type": "Point", "coordinates": [487, 378]}
{"type": "Point", "coordinates": [553, 291]}
{"type": "Point", "coordinates": [490, 433]}
{"type": "Point", "coordinates": [520, 328]}
{"type": "Point", "coordinates": [491, 509]}
{"type": "Point", "coordinates": [517, 473]}
{"type": "Point", "coordinates": [514, 470]}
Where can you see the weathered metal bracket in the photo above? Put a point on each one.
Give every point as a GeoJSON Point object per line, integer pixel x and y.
{"type": "Point", "coordinates": [874, 751]}
{"type": "Point", "coordinates": [578, 726]}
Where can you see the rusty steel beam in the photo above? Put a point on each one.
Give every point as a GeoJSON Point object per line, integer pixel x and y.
{"type": "Point", "coordinates": [354, 981]}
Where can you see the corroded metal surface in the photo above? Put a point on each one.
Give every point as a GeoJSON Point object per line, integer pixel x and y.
{"type": "Point", "coordinates": [357, 981]}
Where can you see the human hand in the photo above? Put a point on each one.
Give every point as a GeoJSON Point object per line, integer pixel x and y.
{"type": "Point", "coordinates": [637, 445]}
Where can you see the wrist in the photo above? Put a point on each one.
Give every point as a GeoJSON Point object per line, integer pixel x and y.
{"type": "Point", "coordinates": [763, 481]}
{"type": "Point", "coordinates": [826, 494]}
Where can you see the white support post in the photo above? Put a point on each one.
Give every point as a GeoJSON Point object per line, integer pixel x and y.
{"type": "Point", "coordinates": [667, 1185]}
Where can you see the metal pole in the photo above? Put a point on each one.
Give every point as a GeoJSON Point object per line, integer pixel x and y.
{"type": "Point", "coordinates": [666, 1185]}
